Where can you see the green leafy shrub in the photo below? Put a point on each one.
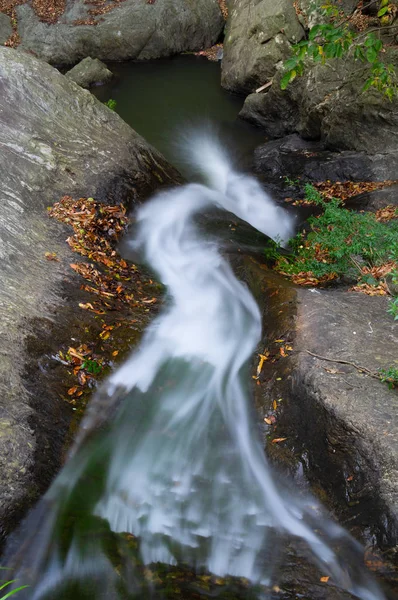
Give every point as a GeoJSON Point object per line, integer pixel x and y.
{"type": "Point", "coordinates": [336, 38]}
{"type": "Point", "coordinates": [340, 242]}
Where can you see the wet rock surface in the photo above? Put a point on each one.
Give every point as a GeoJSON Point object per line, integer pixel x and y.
{"type": "Point", "coordinates": [294, 157]}
{"type": "Point", "coordinates": [131, 30]}
{"type": "Point", "coordinates": [89, 72]}
{"type": "Point", "coordinates": [327, 103]}
{"type": "Point", "coordinates": [343, 420]}
{"type": "Point", "coordinates": [56, 139]}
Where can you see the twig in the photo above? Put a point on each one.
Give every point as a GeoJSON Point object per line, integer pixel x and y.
{"type": "Point", "coordinates": [264, 87]}
{"type": "Point", "coordinates": [346, 362]}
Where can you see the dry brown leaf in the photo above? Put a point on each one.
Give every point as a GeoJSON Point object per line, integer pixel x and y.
{"type": "Point", "coordinates": [51, 256]}
{"type": "Point", "coordinates": [278, 440]}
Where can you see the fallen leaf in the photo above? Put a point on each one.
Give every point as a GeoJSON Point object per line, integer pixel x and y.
{"type": "Point", "coordinates": [275, 405]}
{"type": "Point", "coordinates": [82, 377]}
{"type": "Point", "coordinates": [324, 579]}
{"type": "Point", "coordinates": [263, 358]}
{"type": "Point", "coordinates": [51, 256]}
{"type": "Point", "coordinates": [115, 352]}
{"type": "Point", "coordinates": [86, 306]}
{"type": "Point", "coordinates": [72, 390]}
{"type": "Point", "coordinates": [278, 440]}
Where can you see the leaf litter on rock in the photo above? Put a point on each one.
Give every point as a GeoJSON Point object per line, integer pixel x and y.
{"type": "Point", "coordinates": [119, 287]}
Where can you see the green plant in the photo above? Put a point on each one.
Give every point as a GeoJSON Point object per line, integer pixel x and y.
{"type": "Point", "coordinates": [336, 38]}
{"type": "Point", "coordinates": [92, 366]}
{"type": "Point", "coordinates": [111, 104]}
{"type": "Point", "coordinates": [340, 242]}
{"type": "Point", "coordinates": [291, 182]}
{"type": "Point", "coordinates": [12, 592]}
{"type": "Point", "coordinates": [389, 376]}
{"type": "Point", "coordinates": [393, 308]}
{"type": "Point", "coordinates": [272, 250]}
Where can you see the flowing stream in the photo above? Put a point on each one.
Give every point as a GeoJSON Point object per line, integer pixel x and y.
{"type": "Point", "coordinates": [180, 466]}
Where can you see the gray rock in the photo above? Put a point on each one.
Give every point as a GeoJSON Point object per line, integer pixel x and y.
{"type": "Point", "coordinates": [258, 36]}
{"type": "Point", "coordinates": [345, 422]}
{"type": "Point", "coordinates": [328, 104]}
{"type": "Point", "coordinates": [90, 71]}
{"type": "Point", "coordinates": [375, 200]}
{"type": "Point", "coordinates": [133, 30]}
{"type": "Point", "coordinates": [313, 15]}
{"type": "Point", "coordinates": [294, 157]}
{"type": "Point", "coordinates": [55, 139]}
{"type": "Point", "coordinates": [5, 28]}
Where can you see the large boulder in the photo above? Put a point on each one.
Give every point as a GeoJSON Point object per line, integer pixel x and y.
{"type": "Point", "coordinates": [339, 418]}
{"type": "Point", "coordinates": [328, 103]}
{"type": "Point", "coordinates": [89, 72]}
{"type": "Point", "coordinates": [258, 36]}
{"type": "Point", "coordinates": [5, 28]}
{"type": "Point", "coordinates": [310, 161]}
{"type": "Point", "coordinates": [55, 139]}
{"type": "Point", "coordinates": [133, 29]}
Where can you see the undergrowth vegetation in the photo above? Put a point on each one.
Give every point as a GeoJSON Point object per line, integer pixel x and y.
{"type": "Point", "coordinates": [4, 586]}
{"type": "Point", "coordinates": [354, 36]}
{"type": "Point", "coordinates": [341, 244]}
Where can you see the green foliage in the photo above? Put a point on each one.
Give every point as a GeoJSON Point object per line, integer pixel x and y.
{"type": "Point", "coordinates": [336, 39]}
{"type": "Point", "coordinates": [92, 366]}
{"type": "Point", "coordinates": [291, 182]}
{"type": "Point", "coordinates": [339, 241]}
{"type": "Point", "coordinates": [271, 251]}
{"type": "Point", "coordinates": [112, 105]}
{"type": "Point", "coordinates": [389, 376]}
{"type": "Point", "coordinates": [393, 308]}
{"type": "Point", "coordinates": [393, 304]}
{"type": "Point", "coordinates": [12, 592]}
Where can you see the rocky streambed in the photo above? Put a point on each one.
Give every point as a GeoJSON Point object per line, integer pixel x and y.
{"type": "Point", "coordinates": [314, 388]}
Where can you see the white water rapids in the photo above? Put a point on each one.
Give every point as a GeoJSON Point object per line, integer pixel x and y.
{"type": "Point", "coordinates": [181, 465]}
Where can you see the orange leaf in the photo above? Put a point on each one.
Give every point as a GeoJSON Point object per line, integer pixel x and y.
{"type": "Point", "coordinates": [72, 390]}
{"type": "Point", "coordinates": [278, 440]}
{"type": "Point", "coordinates": [324, 579]}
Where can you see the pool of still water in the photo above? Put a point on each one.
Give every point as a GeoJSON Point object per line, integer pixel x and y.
{"type": "Point", "coordinates": [165, 98]}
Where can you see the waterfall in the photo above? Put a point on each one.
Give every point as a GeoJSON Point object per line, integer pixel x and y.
{"type": "Point", "coordinates": [180, 465]}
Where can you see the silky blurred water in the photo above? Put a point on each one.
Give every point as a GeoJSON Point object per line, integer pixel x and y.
{"type": "Point", "coordinates": [181, 466]}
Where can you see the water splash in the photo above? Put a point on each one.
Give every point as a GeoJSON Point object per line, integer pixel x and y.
{"type": "Point", "coordinates": [181, 465]}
